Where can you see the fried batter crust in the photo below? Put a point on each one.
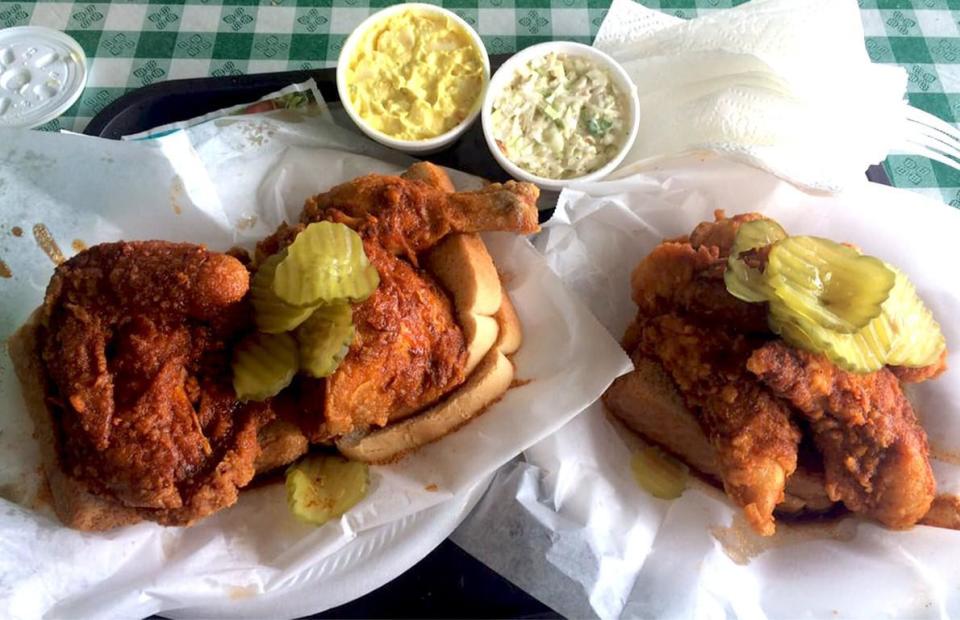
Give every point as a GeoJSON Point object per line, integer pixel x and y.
{"type": "Point", "coordinates": [874, 449]}
{"type": "Point", "coordinates": [135, 346]}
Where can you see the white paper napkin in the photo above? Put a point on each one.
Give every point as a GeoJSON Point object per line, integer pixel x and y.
{"type": "Point", "coordinates": [784, 85]}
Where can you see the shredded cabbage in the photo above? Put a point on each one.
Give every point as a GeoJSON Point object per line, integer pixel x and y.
{"type": "Point", "coordinates": [560, 117]}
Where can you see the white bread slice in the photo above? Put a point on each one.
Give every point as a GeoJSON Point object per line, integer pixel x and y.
{"type": "Point", "coordinates": [492, 331]}
{"type": "Point", "coordinates": [489, 381]}
{"type": "Point", "coordinates": [647, 402]}
{"type": "Point", "coordinates": [480, 333]}
{"type": "Point", "coordinates": [511, 333]}
{"type": "Point", "coordinates": [463, 266]}
{"type": "Point", "coordinates": [72, 502]}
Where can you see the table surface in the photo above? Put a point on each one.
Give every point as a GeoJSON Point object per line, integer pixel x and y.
{"type": "Point", "coordinates": [132, 44]}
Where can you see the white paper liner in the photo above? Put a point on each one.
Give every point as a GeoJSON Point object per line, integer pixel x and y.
{"type": "Point", "coordinates": [587, 540]}
{"type": "Point", "coordinates": [226, 182]}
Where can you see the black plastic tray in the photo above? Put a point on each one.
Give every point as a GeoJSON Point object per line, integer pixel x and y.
{"type": "Point", "coordinates": [178, 100]}
{"type": "Point", "coordinates": [448, 582]}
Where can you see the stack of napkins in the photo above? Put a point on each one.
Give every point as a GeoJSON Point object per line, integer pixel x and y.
{"type": "Point", "coordinates": [785, 85]}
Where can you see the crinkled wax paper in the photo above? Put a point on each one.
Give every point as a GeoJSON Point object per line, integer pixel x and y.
{"type": "Point", "coordinates": [227, 182]}
{"type": "Point", "coordinates": [584, 538]}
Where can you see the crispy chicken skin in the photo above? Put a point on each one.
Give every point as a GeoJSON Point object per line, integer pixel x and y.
{"type": "Point", "coordinates": [407, 353]}
{"type": "Point", "coordinates": [686, 275]}
{"type": "Point", "coordinates": [751, 430]}
{"type": "Point", "coordinates": [703, 336]}
{"type": "Point", "coordinates": [409, 349]}
{"type": "Point", "coordinates": [135, 346]}
{"type": "Point", "coordinates": [409, 215]}
{"type": "Point", "coordinates": [874, 449]}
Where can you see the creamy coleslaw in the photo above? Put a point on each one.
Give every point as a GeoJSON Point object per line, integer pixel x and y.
{"type": "Point", "coordinates": [560, 117]}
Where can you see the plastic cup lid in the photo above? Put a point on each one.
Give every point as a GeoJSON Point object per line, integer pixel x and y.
{"type": "Point", "coordinates": [42, 73]}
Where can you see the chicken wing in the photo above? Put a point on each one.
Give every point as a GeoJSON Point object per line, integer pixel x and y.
{"type": "Point", "coordinates": [755, 440]}
{"type": "Point", "coordinates": [875, 451]}
{"type": "Point", "coordinates": [136, 351]}
{"type": "Point", "coordinates": [409, 215]}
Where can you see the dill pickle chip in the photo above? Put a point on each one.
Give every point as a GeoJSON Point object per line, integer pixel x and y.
{"type": "Point", "coordinates": [272, 314]}
{"type": "Point", "coordinates": [323, 487]}
{"type": "Point", "coordinates": [659, 474]}
{"type": "Point", "coordinates": [324, 339]}
{"type": "Point", "coordinates": [326, 264]}
{"type": "Point", "coordinates": [742, 281]}
{"type": "Point", "coordinates": [860, 352]}
{"type": "Point", "coordinates": [829, 284]}
{"type": "Point", "coordinates": [264, 364]}
{"type": "Point", "coordinates": [917, 340]}
{"type": "Point", "coordinates": [904, 334]}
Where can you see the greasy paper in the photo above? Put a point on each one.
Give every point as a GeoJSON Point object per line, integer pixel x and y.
{"type": "Point", "coordinates": [585, 539]}
{"type": "Point", "coordinates": [229, 182]}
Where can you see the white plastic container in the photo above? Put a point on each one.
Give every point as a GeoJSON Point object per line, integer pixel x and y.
{"type": "Point", "coordinates": [416, 147]}
{"type": "Point", "coordinates": [42, 73]}
{"type": "Point", "coordinates": [506, 72]}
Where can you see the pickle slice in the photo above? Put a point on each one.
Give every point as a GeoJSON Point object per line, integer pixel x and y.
{"type": "Point", "coordinates": [905, 333]}
{"type": "Point", "coordinates": [324, 339]}
{"type": "Point", "coordinates": [325, 264]}
{"type": "Point", "coordinates": [918, 340]}
{"type": "Point", "coordinates": [272, 314]}
{"type": "Point", "coordinates": [324, 487]}
{"type": "Point", "coordinates": [829, 284]}
{"type": "Point", "coordinates": [745, 282]}
{"type": "Point", "coordinates": [860, 352]}
{"type": "Point", "coordinates": [264, 364]}
{"type": "Point", "coordinates": [659, 474]}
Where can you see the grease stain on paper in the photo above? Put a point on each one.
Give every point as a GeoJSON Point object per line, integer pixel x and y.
{"type": "Point", "coordinates": [944, 513]}
{"type": "Point", "coordinates": [246, 223]}
{"type": "Point", "coordinates": [742, 544]}
{"type": "Point", "coordinates": [47, 243]}
{"type": "Point", "coordinates": [944, 455]}
{"type": "Point", "coordinates": [238, 593]}
{"type": "Point", "coordinates": [176, 192]}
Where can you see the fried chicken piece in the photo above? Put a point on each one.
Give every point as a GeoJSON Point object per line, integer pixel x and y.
{"type": "Point", "coordinates": [136, 352]}
{"type": "Point", "coordinates": [432, 175]}
{"type": "Point", "coordinates": [686, 275]}
{"type": "Point", "coordinates": [874, 449]}
{"type": "Point", "coordinates": [755, 440]}
{"type": "Point", "coordinates": [409, 349]}
{"type": "Point", "coordinates": [407, 353]}
{"type": "Point", "coordinates": [409, 215]}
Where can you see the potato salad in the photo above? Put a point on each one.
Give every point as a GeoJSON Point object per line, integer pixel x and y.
{"type": "Point", "coordinates": [560, 117]}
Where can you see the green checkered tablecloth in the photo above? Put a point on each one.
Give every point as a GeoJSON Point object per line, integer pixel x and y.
{"type": "Point", "coordinates": [132, 44]}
